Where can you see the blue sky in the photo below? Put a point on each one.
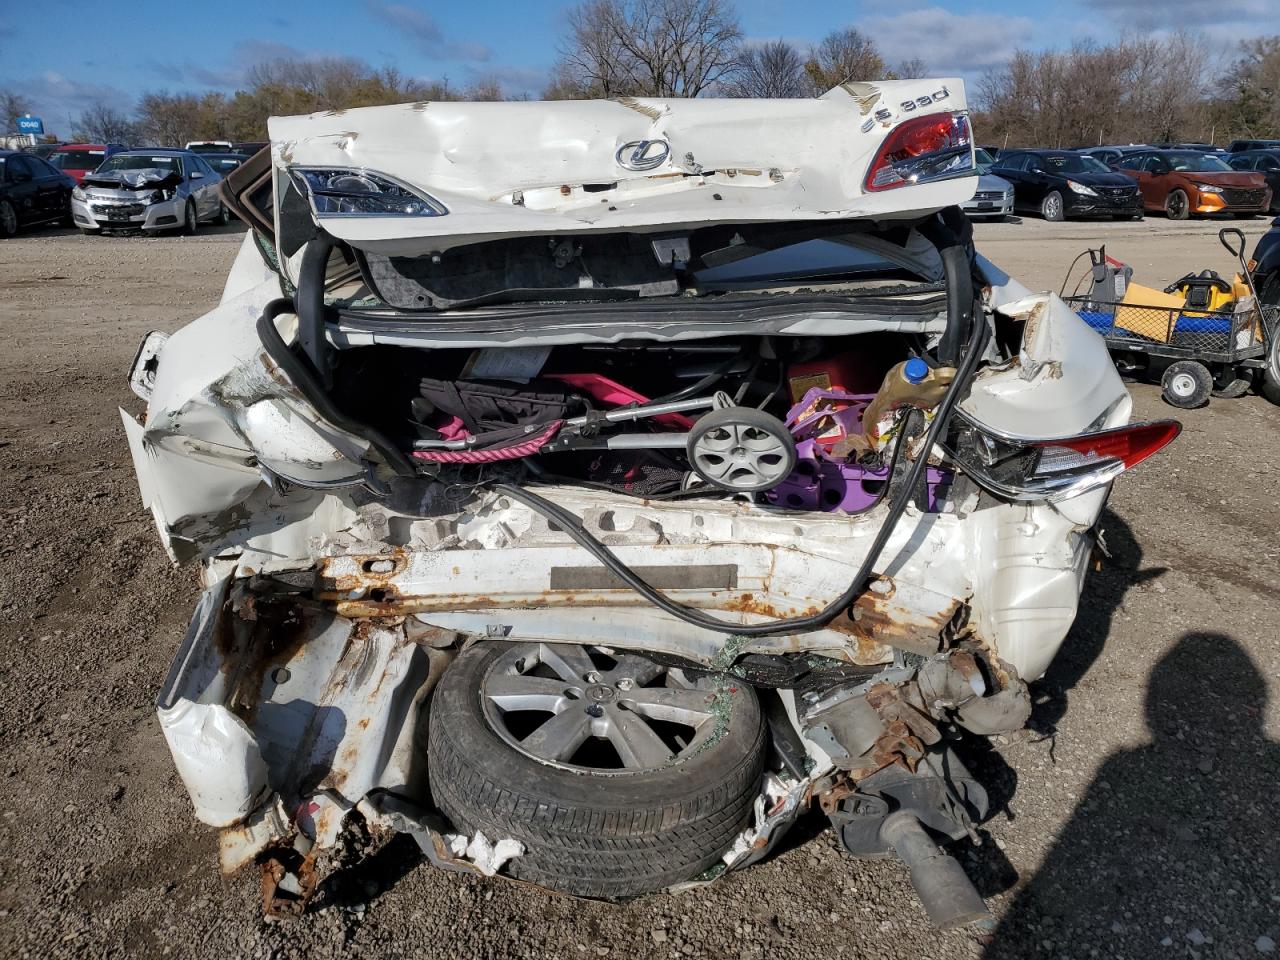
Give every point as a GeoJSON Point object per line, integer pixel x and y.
{"type": "Point", "coordinates": [65, 54]}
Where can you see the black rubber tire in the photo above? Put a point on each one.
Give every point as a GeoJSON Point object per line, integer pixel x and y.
{"type": "Point", "coordinates": [223, 217]}
{"type": "Point", "coordinates": [592, 836]}
{"type": "Point", "coordinates": [9, 225]}
{"type": "Point", "coordinates": [1053, 212]}
{"type": "Point", "coordinates": [1269, 379]}
{"type": "Point", "coordinates": [190, 220]}
{"type": "Point", "coordinates": [1232, 385]}
{"type": "Point", "coordinates": [1177, 209]}
{"type": "Point", "coordinates": [1177, 374]}
{"type": "Point", "coordinates": [1269, 384]}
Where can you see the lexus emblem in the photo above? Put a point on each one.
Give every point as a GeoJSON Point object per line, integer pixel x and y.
{"type": "Point", "coordinates": [642, 154]}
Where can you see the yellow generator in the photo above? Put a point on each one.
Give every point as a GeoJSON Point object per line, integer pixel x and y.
{"type": "Point", "coordinates": [1207, 292]}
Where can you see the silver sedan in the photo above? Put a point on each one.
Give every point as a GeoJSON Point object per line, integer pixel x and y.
{"type": "Point", "coordinates": [149, 190]}
{"type": "Point", "coordinates": [994, 196]}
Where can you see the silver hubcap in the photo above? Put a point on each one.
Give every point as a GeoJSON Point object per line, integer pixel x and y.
{"type": "Point", "coordinates": [589, 710]}
{"type": "Point", "coordinates": [741, 456]}
{"type": "Point", "coordinates": [1184, 385]}
{"type": "Point", "coordinates": [191, 217]}
{"type": "Point", "coordinates": [1051, 206]}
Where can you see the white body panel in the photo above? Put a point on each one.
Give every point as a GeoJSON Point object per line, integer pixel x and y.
{"type": "Point", "coordinates": [243, 475]}
{"type": "Point", "coordinates": [509, 169]}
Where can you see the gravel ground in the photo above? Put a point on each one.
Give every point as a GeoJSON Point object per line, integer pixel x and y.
{"type": "Point", "coordinates": [1142, 824]}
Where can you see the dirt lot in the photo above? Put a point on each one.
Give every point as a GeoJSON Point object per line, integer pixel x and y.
{"type": "Point", "coordinates": [1143, 822]}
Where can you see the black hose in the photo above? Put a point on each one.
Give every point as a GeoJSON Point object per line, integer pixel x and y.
{"type": "Point", "coordinates": [304, 379]}
{"type": "Point", "coordinates": [952, 233]}
{"type": "Point", "coordinates": [309, 306]}
{"type": "Point", "coordinates": [701, 384]}
{"type": "Point", "coordinates": [572, 525]}
{"type": "Point", "coordinates": [959, 286]}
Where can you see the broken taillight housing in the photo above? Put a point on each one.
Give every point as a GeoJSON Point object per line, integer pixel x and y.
{"type": "Point", "coordinates": [937, 146]}
{"type": "Point", "coordinates": [1051, 470]}
{"type": "Point", "coordinates": [342, 192]}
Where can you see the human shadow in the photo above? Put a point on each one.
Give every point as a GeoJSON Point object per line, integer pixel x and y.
{"type": "Point", "coordinates": [1173, 850]}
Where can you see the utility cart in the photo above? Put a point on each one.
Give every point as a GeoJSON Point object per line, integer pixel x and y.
{"type": "Point", "coordinates": [1201, 336]}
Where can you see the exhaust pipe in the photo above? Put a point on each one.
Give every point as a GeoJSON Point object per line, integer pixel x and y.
{"type": "Point", "coordinates": [949, 897]}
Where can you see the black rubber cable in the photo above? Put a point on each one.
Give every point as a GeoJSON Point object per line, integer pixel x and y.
{"type": "Point", "coordinates": [302, 376]}
{"type": "Point", "coordinates": [698, 386]}
{"type": "Point", "coordinates": [572, 525]}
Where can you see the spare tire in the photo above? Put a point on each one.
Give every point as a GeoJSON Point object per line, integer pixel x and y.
{"type": "Point", "coordinates": [619, 776]}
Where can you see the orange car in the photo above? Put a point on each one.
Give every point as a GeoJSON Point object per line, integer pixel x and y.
{"type": "Point", "coordinates": [1185, 182]}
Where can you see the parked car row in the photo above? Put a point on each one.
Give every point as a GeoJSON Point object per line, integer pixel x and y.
{"type": "Point", "coordinates": [107, 186]}
{"type": "Point", "coordinates": [1179, 180]}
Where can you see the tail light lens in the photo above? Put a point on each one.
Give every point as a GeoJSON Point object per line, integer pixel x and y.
{"type": "Point", "coordinates": [1052, 470]}
{"type": "Point", "coordinates": [937, 146]}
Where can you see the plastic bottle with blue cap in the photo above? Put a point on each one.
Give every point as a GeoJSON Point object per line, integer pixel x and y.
{"type": "Point", "coordinates": [910, 383]}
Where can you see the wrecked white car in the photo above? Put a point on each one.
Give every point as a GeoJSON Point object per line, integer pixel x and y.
{"type": "Point", "coordinates": [586, 488]}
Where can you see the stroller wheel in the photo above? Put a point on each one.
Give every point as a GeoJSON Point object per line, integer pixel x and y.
{"type": "Point", "coordinates": [741, 449]}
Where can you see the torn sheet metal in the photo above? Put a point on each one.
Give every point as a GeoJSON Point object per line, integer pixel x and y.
{"type": "Point", "coordinates": [509, 169]}
{"type": "Point", "coordinates": [150, 178]}
{"type": "Point", "coordinates": [275, 703]}
{"type": "Point", "coordinates": [1062, 376]}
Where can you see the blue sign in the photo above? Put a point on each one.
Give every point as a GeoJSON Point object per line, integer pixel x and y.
{"type": "Point", "coordinates": [32, 125]}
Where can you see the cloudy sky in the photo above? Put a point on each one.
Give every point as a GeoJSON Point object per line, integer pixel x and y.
{"type": "Point", "coordinates": [65, 54]}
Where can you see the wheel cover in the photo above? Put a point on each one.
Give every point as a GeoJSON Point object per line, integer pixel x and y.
{"type": "Point", "coordinates": [741, 456]}
{"type": "Point", "coordinates": [1183, 384]}
{"type": "Point", "coordinates": [8, 218]}
{"type": "Point", "coordinates": [588, 711]}
{"type": "Point", "coordinates": [1176, 202]}
{"type": "Point", "coordinates": [1051, 205]}
{"type": "Point", "coordinates": [191, 217]}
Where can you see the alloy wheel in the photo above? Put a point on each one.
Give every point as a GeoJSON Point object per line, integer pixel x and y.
{"type": "Point", "coordinates": [591, 711]}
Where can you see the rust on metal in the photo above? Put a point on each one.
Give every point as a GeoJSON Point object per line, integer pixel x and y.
{"type": "Point", "coordinates": [289, 881]}
{"type": "Point", "coordinates": [879, 616]}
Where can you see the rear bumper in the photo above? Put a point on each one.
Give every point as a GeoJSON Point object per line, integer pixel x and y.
{"type": "Point", "coordinates": [271, 687]}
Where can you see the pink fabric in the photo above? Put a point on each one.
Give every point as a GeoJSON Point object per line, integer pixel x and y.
{"type": "Point", "coordinates": [604, 390]}
{"type": "Point", "coordinates": [523, 448]}
{"type": "Point", "coordinates": [454, 429]}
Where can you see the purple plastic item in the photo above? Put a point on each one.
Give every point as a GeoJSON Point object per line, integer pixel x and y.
{"type": "Point", "coordinates": [817, 483]}
{"type": "Point", "coordinates": [844, 487]}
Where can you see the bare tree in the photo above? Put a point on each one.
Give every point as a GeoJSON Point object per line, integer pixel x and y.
{"type": "Point", "coordinates": [843, 55]}
{"type": "Point", "coordinates": [1252, 88]}
{"type": "Point", "coordinates": [12, 106]}
{"type": "Point", "coordinates": [913, 69]}
{"type": "Point", "coordinates": [656, 48]}
{"type": "Point", "coordinates": [773, 69]}
{"type": "Point", "coordinates": [1137, 89]}
{"type": "Point", "coordinates": [105, 124]}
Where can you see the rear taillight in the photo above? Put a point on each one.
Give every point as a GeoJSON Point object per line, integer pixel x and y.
{"type": "Point", "coordinates": [933, 147]}
{"type": "Point", "coordinates": [1058, 469]}
{"type": "Point", "coordinates": [1129, 445]}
